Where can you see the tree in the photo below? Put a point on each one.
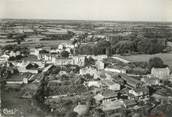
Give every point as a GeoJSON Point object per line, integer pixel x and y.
{"type": "Point", "coordinates": [70, 33]}
{"type": "Point", "coordinates": [91, 102]}
{"type": "Point", "coordinates": [102, 47]}
{"type": "Point", "coordinates": [19, 38]}
{"type": "Point", "coordinates": [108, 51]}
{"type": "Point", "coordinates": [19, 57]}
{"type": "Point", "coordinates": [32, 66]}
{"type": "Point", "coordinates": [87, 49]}
{"type": "Point", "coordinates": [89, 61]}
{"type": "Point", "coordinates": [88, 76]}
{"type": "Point", "coordinates": [55, 70]}
{"type": "Point", "coordinates": [10, 36]}
{"type": "Point", "coordinates": [9, 47]}
{"type": "Point", "coordinates": [25, 51]}
{"type": "Point", "coordinates": [71, 114]}
{"type": "Point", "coordinates": [123, 47]}
{"type": "Point", "coordinates": [151, 46]}
{"type": "Point", "coordinates": [79, 81]}
{"type": "Point", "coordinates": [156, 62]}
{"type": "Point", "coordinates": [98, 113]}
{"type": "Point", "coordinates": [74, 41]}
{"type": "Point", "coordinates": [43, 52]}
{"type": "Point", "coordinates": [12, 58]}
{"type": "Point", "coordinates": [65, 54]}
{"type": "Point", "coordinates": [22, 49]}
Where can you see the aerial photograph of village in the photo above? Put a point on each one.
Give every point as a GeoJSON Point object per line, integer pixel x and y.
{"type": "Point", "coordinates": [85, 68]}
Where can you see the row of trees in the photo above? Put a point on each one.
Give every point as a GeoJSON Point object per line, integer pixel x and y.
{"type": "Point", "coordinates": [23, 50]}
{"type": "Point", "coordinates": [143, 45]}
{"type": "Point", "coordinates": [16, 58]}
{"type": "Point", "coordinates": [101, 47]}
{"type": "Point", "coordinates": [147, 40]}
{"type": "Point", "coordinates": [67, 36]}
{"type": "Point", "coordinates": [17, 37]}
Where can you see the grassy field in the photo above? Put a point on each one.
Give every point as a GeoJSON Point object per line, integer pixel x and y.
{"type": "Point", "coordinates": [166, 57]}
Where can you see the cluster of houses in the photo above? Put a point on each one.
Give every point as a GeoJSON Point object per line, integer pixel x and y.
{"type": "Point", "coordinates": [114, 90]}
{"type": "Point", "coordinates": [52, 56]}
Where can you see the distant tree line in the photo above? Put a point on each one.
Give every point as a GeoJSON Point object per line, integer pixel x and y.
{"type": "Point", "coordinates": [17, 37]}
{"type": "Point", "coordinates": [119, 45]}
{"type": "Point", "coordinates": [101, 47]}
{"type": "Point", "coordinates": [67, 36]}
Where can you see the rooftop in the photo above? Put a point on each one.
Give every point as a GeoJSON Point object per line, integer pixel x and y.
{"type": "Point", "coordinates": [81, 109]}
{"type": "Point", "coordinates": [109, 93]}
{"type": "Point", "coordinates": [131, 79]}
{"type": "Point", "coordinates": [20, 76]}
{"type": "Point", "coordinates": [112, 105]}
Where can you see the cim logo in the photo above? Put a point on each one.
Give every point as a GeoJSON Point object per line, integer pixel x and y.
{"type": "Point", "coordinates": [9, 111]}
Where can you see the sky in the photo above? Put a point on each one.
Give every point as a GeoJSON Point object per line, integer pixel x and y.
{"type": "Point", "coordinates": [117, 10]}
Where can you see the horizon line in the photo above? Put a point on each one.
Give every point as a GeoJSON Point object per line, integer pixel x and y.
{"type": "Point", "coordinates": [89, 20]}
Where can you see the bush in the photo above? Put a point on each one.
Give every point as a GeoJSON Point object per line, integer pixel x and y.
{"type": "Point", "coordinates": [123, 47]}
{"type": "Point", "coordinates": [156, 62]}
{"type": "Point", "coordinates": [65, 54]}
{"type": "Point", "coordinates": [32, 66]}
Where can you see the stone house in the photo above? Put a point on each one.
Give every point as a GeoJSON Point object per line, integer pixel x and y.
{"type": "Point", "coordinates": [161, 73]}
